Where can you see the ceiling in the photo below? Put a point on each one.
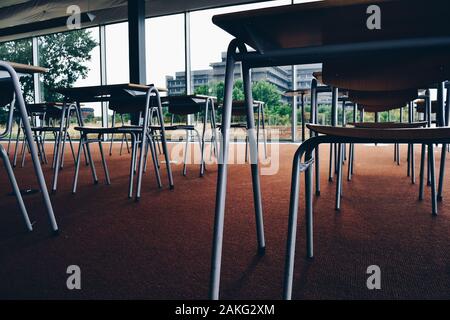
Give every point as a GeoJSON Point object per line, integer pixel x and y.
{"type": "Point", "coordinates": [25, 18]}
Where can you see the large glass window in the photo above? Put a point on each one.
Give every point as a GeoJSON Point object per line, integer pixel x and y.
{"type": "Point", "coordinates": [166, 53]}
{"type": "Point", "coordinates": [117, 65]}
{"type": "Point", "coordinates": [19, 51]}
{"type": "Point", "coordinates": [208, 56]}
{"type": "Point", "coordinates": [73, 60]}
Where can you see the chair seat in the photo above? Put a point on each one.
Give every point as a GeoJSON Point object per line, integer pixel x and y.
{"type": "Point", "coordinates": [389, 125]}
{"type": "Point", "coordinates": [97, 130]}
{"type": "Point", "coordinates": [421, 107]}
{"type": "Point", "coordinates": [176, 127]}
{"type": "Point", "coordinates": [384, 98]}
{"type": "Point", "coordinates": [402, 134]}
{"type": "Point", "coordinates": [45, 129]}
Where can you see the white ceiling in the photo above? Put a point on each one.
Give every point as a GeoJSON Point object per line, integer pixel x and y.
{"type": "Point", "coordinates": [14, 13]}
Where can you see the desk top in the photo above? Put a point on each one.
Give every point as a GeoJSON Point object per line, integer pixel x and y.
{"type": "Point", "coordinates": [22, 69]}
{"type": "Point", "coordinates": [190, 98]}
{"type": "Point", "coordinates": [332, 22]}
{"type": "Point", "coordinates": [27, 69]}
{"type": "Point", "coordinates": [104, 92]}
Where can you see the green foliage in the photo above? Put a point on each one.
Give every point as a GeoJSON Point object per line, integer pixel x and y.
{"type": "Point", "coordinates": [64, 54]}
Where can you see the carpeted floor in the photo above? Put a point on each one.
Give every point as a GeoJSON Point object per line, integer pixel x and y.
{"type": "Point", "coordinates": [160, 248]}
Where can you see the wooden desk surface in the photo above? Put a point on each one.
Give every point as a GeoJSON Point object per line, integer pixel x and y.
{"type": "Point", "coordinates": [332, 22]}
{"type": "Point", "coordinates": [104, 92]}
{"type": "Point", "coordinates": [190, 98]}
{"type": "Point", "coordinates": [26, 68]}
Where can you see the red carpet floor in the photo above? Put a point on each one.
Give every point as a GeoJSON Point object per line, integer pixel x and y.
{"type": "Point", "coordinates": [160, 248]}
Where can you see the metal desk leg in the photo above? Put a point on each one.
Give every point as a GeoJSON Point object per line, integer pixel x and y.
{"type": "Point", "coordinates": [431, 158]}
{"type": "Point", "coordinates": [216, 259]}
{"type": "Point", "coordinates": [15, 187]}
{"type": "Point", "coordinates": [34, 155]}
{"type": "Point", "coordinates": [58, 155]}
{"type": "Point", "coordinates": [422, 172]}
{"type": "Point", "coordinates": [292, 228]}
{"type": "Point", "coordinates": [442, 172]}
{"type": "Point", "coordinates": [164, 143]}
{"type": "Point", "coordinates": [113, 125]}
{"type": "Point", "coordinates": [339, 177]}
{"type": "Point", "coordinates": [253, 146]}
{"type": "Point", "coordinates": [314, 115]}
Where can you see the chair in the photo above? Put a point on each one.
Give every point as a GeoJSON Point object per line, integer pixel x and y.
{"type": "Point", "coordinates": [141, 135]}
{"type": "Point", "coordinates": [184, 106]}
{"type": "Point", "coordinates": [239, 111]}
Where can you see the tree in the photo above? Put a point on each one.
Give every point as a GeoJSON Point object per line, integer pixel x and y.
{"type": "Point", "coordinates": [64, 54]}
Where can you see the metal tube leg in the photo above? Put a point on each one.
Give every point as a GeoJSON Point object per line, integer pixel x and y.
{"type": "Point", "coordinates": [164, 145]}
{"type": "Point", "coordinates": [16, 147]}
{"type": "Point", "coordinates": [350, 162]}
{"type": "Point", "coordinates": [253, 148]}
{"type": "Point", "coordinates": [9, 142]}
{"type": "Point", "coordinates": [24, 149]}
{"type": "Point", "coordinates": [132, 164]}
{"type": "Point", "coordinates": [433, 179]}
{"type": "Point", "coordinates": [15, 187]}
{"type": "Point", "coordinates": [186, 152]}
{"type": "Point", "coordinates": [113, 122]}
{"type": "Point", "coordinates": [317, 170]}
{"type": "Point", "coordinates": [71, 147]}
{"type": "Point", "coordinates": [91, 161]}
{"type": "Point", "coordinates": [422, 172]}
{"type": "Point", "coordinates": [105, 167]}
{"type": "Point", "coordinates": [216, 259]}
{"type": "Point", "coordinates": [58, 155]}
{"type": "Point", "coordinates": [442, 172]}
{"type": "Point", "coordinates": [34, 155]}
{"type": "Point", "coordinates": [331, 168]}
{"type": "Point", "coordinates": [155, 161]}
{"type": "Point", "coordinates": [408, 160]}
{"type": "Point", "coordinates": [413, 165]}
{"type": "Point", "coordinates": [77, 167]}
{"type": "Point", "coordinates": [339, 178]}
{"type": "Point", "coordinates": [292, 229]}
{"type": "Point", "coordinates": [264, 131]}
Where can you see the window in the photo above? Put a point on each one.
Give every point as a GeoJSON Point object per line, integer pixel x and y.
{"type": "Point", "coordinates": [165, 50]}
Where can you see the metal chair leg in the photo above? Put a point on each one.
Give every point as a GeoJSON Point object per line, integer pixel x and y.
{"type": "Point", "coordinates": [413, 165]}
{"type": "Point", "coordinates": [433, 179]}
{"type": "Point", "coordinates": [216, 259]}
{"type": "Point", "coordinates": [113, 122]}
{"type": "Point", "coordinates": [331, 166]}
{"type": "Point", "coordinates": [253, 148]}
{"type": "Point", "coordinates": [132, 164]}
{"type": "Point", "coordinates": [15, 187]}
{"type": "Point", "coordinates": [292, 226]}
{"type": "Point", "coordinates": [105, 166]}
{"type": "Point", "coordinates": [442, 172]}
{"type": "Point", "coordinates": [422, 173]}
{"type": "Point", "coordinates": [91, 161]}
{"type": "Point", "coordinates": [350, 162]}
{"type": "Point", "coordinates": [186, 152]}
{"type": "Point", "coordinates": [77, 167]}
{"type": "Point", "coordinates": [16, 147]}
{"type": "Point", "coordinates": [339, 178]}
{"type": "Point", "coordinates": [151, 145]}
